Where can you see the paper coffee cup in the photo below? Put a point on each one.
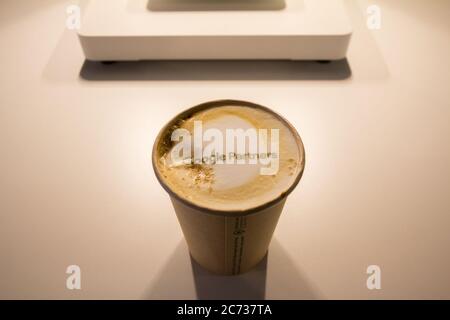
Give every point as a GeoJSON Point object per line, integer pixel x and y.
{"type": "Point", "coordinates": [226, 242]}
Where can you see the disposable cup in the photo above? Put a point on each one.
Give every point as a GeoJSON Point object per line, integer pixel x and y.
{"type": "Point", "coordinates": [227, 242]}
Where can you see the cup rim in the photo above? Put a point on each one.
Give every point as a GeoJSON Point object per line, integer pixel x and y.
{"type": "Point", "coordinates": [228, 213]}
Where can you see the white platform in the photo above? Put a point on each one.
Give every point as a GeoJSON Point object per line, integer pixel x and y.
{"type": "Point", "coordinates": [212, 29]}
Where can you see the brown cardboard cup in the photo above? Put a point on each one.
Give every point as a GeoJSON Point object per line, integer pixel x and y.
{"type": "Point", "coordinates": [226, 242]}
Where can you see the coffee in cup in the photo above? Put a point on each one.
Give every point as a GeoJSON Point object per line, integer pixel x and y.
{"type": "Point", "coordinates": [228, 167]}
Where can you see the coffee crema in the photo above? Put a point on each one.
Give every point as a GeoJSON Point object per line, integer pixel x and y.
{"type": "Point", "coordinates": [247, 176]}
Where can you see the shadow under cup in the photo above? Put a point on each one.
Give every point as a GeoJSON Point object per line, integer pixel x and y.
{"type": "Point", "coordinates": [226, 242]}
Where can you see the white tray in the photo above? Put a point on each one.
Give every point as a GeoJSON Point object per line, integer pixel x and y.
{"type": "Point", "coordinates": [114, 30]}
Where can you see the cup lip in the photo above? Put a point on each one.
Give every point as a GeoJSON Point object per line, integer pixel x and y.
{"type": "Point", "coordinates": [228, 213]}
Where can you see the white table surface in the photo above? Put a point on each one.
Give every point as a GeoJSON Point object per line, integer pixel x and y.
{"type": "Point", "coordinates": [77, 187]}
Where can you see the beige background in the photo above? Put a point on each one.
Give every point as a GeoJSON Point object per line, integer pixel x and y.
{"type": "Point", "coordinates": [77, 187]}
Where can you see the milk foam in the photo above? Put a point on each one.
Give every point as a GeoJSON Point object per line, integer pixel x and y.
{"type": "Point", "coordinates": [233, 187]}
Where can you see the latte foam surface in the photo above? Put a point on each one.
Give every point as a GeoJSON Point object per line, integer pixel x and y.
{"type": "Point", "coordinates": [209, 183]}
